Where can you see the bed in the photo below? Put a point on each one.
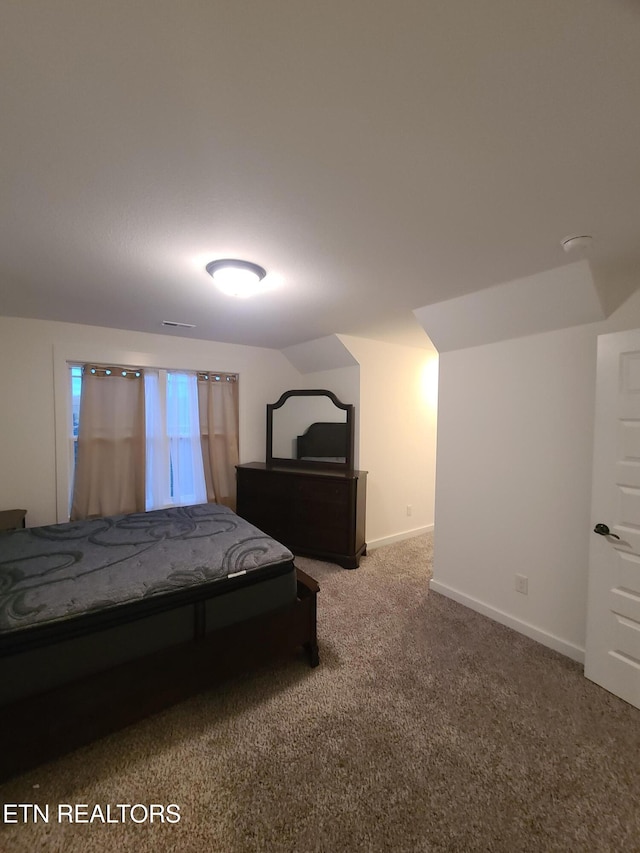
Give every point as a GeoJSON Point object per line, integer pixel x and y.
{"type": "Point", "coordinates": [323, 442]}
{"type": "Point", "coordinates": [107, 620]}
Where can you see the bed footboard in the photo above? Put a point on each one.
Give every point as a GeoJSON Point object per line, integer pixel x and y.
{"type": "Point", "coordinates": [47, 725]}
{"type": "Point", "coordinates": [308, 589]}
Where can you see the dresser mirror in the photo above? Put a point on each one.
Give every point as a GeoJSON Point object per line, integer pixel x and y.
{"type": "Point", "coordinates": [310, 429]}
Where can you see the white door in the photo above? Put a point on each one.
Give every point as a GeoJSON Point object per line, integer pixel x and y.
{"type": "Point", "coordinates": [613, 616]}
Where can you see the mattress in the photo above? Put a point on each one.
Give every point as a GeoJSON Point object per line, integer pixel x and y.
{"type": "Point", "coordinates": [126, 565]}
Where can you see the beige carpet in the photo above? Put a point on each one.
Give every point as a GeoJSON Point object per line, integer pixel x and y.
{"type": "Point", "coordinates": [426, 727]}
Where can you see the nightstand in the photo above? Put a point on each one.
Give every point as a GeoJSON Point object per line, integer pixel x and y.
{"type": "Point", "coordinates": [12, 519]}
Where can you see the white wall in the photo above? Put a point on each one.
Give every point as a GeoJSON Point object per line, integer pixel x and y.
{"type": "Point", "coordinates": [327, 364]}
{"type": "Point", "coordinates": [34, 393]}
{"type": "Point", "coordinates": [345, 384]}
{"type": "Point", "coordinates": [513, 488]}
{"type": "Point", "coordinates": [397, 435]}
{"type": "Point", "coordinates": [393, 389]}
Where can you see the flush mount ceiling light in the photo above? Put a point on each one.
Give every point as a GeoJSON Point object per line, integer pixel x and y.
{"type": "Point", "coordinates": [577, 242]}
{"type": "Point", "coordinates": [237, 278]}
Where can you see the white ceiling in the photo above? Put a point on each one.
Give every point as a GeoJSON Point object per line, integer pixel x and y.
{"type": "Point", "coordinates": [378, 155]}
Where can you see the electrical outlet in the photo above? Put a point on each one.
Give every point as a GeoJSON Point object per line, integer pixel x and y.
{"type": "Point", "coordinates": [409, 509]}
{"type": "Point", "coordinates": [522, 584]}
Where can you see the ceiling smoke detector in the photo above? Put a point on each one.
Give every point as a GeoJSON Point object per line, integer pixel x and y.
{"type": "Point", "coordinates": [577, 242]}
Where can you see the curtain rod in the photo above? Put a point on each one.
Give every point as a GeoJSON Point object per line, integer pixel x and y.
{"type": "Point", "coordinates": [110, 370]}
{"type": "Point", "coordinates": [211, 376]}
{"type": "Point", "coordinates": [135, 372]}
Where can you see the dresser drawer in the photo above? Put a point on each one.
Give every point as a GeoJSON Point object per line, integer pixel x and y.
{"type": "Point", "coordinates": [322, 513]}
{"type": "Point", "coordinates": [259, 512]}
{"type": "Point", "coordinates": [319, 492]}
{"type": "Point", "coordinates": [315, 514]}
{"type": "Point", "coordinates": [263, 487]}
{"type": "Point", "coordinates": [316, 537]}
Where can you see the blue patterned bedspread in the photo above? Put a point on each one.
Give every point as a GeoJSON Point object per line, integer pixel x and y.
{"type": "Point", "coordinates": [56, 572]}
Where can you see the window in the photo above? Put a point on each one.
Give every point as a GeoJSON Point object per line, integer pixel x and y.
{"type": "Point", "coordinates": [174, 465]}
{"type": "Point", "coordinates": [176, 436]}
{"type": "Point", "coordinates": [76, 388]}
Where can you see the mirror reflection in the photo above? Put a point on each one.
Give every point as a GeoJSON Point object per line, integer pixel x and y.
{"type": "Point", "coordinates": [310, 428]}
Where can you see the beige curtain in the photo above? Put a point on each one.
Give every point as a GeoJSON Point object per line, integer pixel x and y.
{"type": "Point", "coordinates": [218, 405]}
{"type": "Point", "coordinates": [110, 466]}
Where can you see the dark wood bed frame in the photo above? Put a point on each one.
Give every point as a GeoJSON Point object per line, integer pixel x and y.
{"type": "Point", "coordinates": [323, 439]}
{"type": "Point", "coordinates": [42, 727]}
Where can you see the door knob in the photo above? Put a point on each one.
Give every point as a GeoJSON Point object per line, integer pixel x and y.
{"type": "Point", "coordinates": [603, 530]}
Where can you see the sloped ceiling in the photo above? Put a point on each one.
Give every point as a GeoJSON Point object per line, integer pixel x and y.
{"type": "Point", "coordinates": [377, 157]}
{"type": "Point", "coordinates": [543, 302]}
{"type": "Point", "coordinates": [326, 353]}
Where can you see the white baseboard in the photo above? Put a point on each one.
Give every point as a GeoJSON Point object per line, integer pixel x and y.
{"type": "Point", "coordinates": [398, 537]}
{"type": "Point", "coordinates": [537, 634]}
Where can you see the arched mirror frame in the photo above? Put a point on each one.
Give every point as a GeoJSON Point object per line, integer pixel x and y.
{"type": "Point", "coordinates": [348, 408]}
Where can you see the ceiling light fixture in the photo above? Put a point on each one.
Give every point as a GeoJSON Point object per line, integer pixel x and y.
{"type": "Point", "coordinates": [580, 242]}
{"type": "Point", "coordinates": [237, 278]}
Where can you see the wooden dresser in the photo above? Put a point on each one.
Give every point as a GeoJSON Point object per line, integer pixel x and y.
{"type": "Point", "coordinates": [315, 513]}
